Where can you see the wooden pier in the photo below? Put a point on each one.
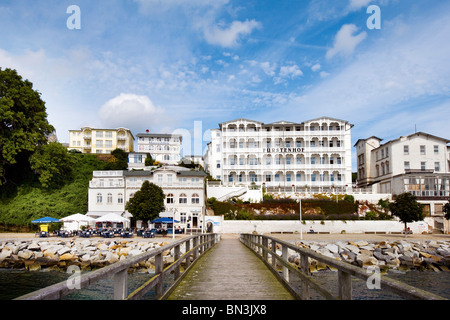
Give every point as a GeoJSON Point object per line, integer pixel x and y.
{"type": "Point", "coordinates": [230, 271]}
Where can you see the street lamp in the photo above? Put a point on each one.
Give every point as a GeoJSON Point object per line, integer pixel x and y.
{"type": "Point", "coordinates": [301, 228]}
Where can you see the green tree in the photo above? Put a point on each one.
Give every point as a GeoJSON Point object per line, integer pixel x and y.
{"type": "Point", "coordinates": [118, 161]}
{"type": "Point", "coordinates": [149, 161]}
{"type": "Point", "coordinates": [23, 120]}
{"type": "Point", "coordinates": [406, 208]}
{"type": "Point", "coordinates": [446, 210]}
{"type": "Point", "coordinates": [54, 165]}
{"type": "Point", "coordinates": [147, 203]}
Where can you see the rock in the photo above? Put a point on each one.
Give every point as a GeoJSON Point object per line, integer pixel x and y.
{"type": "Point", "coordinates": [34, 246]}
{"type": "Point", "coordinates": [25, 254]}
{"type": "Point", "coordinates": [86, 257]}
{"type": "Point", "coordinates": [102, 246]}
{"type": "Point", "coordinates": [33, 266]}
{"type": "Point", "coordinates": [406, 261]}
{"type": "Point", "coordinates": [63, 250]}
{"type": "Point", "coordinates": [5, 254]}
{"type": "Point", "coordinates": [332, 248]}
{"type": "Point", "coordinates": [361, 243]}
{"type": "Point", "coordinates": [352, 248]}
{"type": "Point", "coordinates": [68, 256]}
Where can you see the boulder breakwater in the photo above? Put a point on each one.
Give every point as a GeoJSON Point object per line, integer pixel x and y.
{"type": "Point", "coordinates": [88, 254]}
{"type": "Point", "coordinates": [396, 255]}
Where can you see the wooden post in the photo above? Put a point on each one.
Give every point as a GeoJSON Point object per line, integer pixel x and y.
{"type": "Point", "coordinates": [344, 285]}
{"type": "Point", "coordinates": [265, 242]}
{"type": "Point", "coordinates": [284, 255]}
{"type": "Point", "coordinates": [121, 285]}
{"type": "Point", "coordinates": [158, 271]}
{"type": "Point", "coordinates": [187, 248]}
{"type": "Point", "coordinates": [274, 251]}
{"type": "Point", "coordinates": [305, 269]}
{"type": "Point", "coordinates": [196, 249]}
{"type": "Point", "coordinates": [176, 256]}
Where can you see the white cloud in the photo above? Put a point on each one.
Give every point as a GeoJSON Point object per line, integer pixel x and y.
{"type": "Point", "coordinates": [358, 4]}
{"type": "Point", "coordinates": [316, 67]}
{"type": "Point", "coordinates": [136, 112]}
{"type": "Point", "coordinates": [292, 71]}
{"type": "Point", "coordinates": [345, 41]}
{"type": "Point", "coordinates": [230, 36]}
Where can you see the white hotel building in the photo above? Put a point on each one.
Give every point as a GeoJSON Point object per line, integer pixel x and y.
{"type": "Point", "coordinates": [110, 190]}
{"type": "Point", "coordinates": [314, 154]}
{"type": "Point", "coordinates": [164, 148]}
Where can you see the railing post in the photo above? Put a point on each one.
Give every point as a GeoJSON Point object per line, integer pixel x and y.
{"type": "Point", "coordinates": [158, 270]}
{"type": "Point", "coordinates": [196, 249]}
{"type": "Point", "coordinates": [265, 242]}
{"type": "Point", "coordinates": [121, 285]}
{"type": "Point", "coordinates": [304, 264]}
{"type": "Point", "coordinates": [274, 252]}
{"type": "Point", "coordinates": [187, 245]}
{"type": "Point", "coordinates": [176, 256]}
{"type": "Point", "coordinates": [284, 255]}
{"type": "Point", "coordinates": [344, 285]}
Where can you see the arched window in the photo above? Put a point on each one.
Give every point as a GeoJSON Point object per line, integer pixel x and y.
{"type": "Point", "coordinates": [99, 198]}
{"type": "Point", "coordinates": [109, 198]}
{"type": "Point", "coordinates": [170, 198]}
{"type": "Point", "coordinates": [195, 198]}
{"type": "Point", "coordinates": [183, 198]}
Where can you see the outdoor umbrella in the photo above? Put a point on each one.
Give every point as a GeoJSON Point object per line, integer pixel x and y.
{"type": "Point", "coordinates": [164, 220]}
{"type": "Point", "coordinates": [112, 217]}
{"type": "Point", "coordinates": [45, 220]}
{"type": "Point", "coordinates": [77, 217]}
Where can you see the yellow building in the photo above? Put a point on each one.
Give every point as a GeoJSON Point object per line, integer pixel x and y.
{"type": "Point", "coordinates": [90, 140]}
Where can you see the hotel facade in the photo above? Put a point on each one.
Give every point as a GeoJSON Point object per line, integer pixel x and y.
{"type": "Point", "coordinates": [109, 191]}
{"type": "Point", "coordinates": [101, 141]}
{"type": "Point", "coordinates": [313, 155]}
{"type": "Point", "coordinates": [418, 163]}
{"type": "Point", "coordinates": [164, 148]}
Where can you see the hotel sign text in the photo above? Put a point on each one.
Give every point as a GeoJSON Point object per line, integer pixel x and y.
{"type": "Point", "coordinates": [283, 150]}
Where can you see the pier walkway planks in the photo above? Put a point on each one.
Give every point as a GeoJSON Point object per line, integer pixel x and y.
{"type": "Point", "coordinates": [230, 271]}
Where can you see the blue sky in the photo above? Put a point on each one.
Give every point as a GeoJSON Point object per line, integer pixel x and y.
{"type": "Point", "coordinates": [162, 65]}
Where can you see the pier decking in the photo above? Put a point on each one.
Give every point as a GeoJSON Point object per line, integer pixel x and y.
{"type": "Point", "coordinates": [230, 271]}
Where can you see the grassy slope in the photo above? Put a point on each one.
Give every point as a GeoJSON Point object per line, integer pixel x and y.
{"type": "Point", "coordinates": [32, 202]}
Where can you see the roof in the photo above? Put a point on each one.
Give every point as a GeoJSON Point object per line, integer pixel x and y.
{"type": "Point", "coordinates": [372, 137]}
{"type": "Point", "coordinates": [180, 171]}
{"type": "Point", "coordinates": [416, 134]}
{"type": "Point", "coordinates": [159, 135]}
{"type": "Point", "coordinates": [283, 122]}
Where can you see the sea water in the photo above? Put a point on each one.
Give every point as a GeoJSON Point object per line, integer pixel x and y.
{"type": "Point", "coordinates": [15, 283]}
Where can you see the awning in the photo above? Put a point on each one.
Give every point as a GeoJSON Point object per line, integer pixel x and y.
{"type": "Point", "coordinates": [45, 220]}
{"type": "Point", "coordinates": [164, 220]}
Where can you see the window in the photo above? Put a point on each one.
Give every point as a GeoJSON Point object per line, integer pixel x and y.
{"type": "Point", "coordinates": [299, 160]}
{"type": "Point", "coordinates": [99, 198]}
{"type": "Point", "coordinates": [169, 179]}
{"type": "Point", "coordinates": [253, 161]}
{"type": "Point", "coordinates": [298, 177]}
{"type": "Point", "coordinates": [406, 165]}
{"type": "Point", "coordinates": [422, 150]}
{"type": "Point", "coordinates": [288, 177]}
{"type": "Point", "coordinates": [268, 177]}
{"type": "Point", "coordinates": [183, 198]}
{"type": "Point", "coordinates": [339, 160]}
{"type": "Point", "coordinates": [313, 177]}
{"type": "Point", "coordinates": [109, 198]}
{"type": "Point", "coordinates": [241, 161]}
{"type": "Point", "coordinates": [99, 144]}
{"type": "Point", "coordinates": [278, 160]}
{"type": "Point", "coordinates": [313, 160]}
{"type": "Point", "coordinates": [288, 160]}
{"type": "Point", "coordinates": [312, 144]}
{"type": "Point", "coordinates": [170, 198]}
{"type": "Point", "coordinates": [268, 144]}
{"type": "Point", "coordinates": [241, 144]}
{"type": "Point", "coordinates": [183, 217]}
{"type": "Point", "coordinates": [436, 149]}
{"type": "Point", "coordinates": [108, 144]}
{"type": "Point", "coordinates": [108, 134]}
{"type": "Point", "coordinates": [120, 198]}
{"type": "Point", "coordinates": [423, 165]}
{"type": "Point", "coordinates": [218, 164]}
{"type": "Point", "coordinates": [268, 161]}
{"type": "Point", "coordinates": [277, 177]}
{"type": "Point", "coordinates": [195, 198]}
{"type": "Point", "coordinates": [99, 134]}
{"type": "Point", "coordinates": [160, 178]}
{"type": "Point", "coordinates": [253, 178]}
{"type": "Point", "coordinates": [298, 144]}
{"type": "Point", "coordinates": [437, 166]}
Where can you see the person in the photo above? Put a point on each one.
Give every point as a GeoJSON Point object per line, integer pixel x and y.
{"type": "Point", "coordinates": [311, 230]}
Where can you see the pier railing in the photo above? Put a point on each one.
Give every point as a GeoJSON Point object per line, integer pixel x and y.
{"type": "Point", "coordinates": [194, 246]}
{"type": "Point", "coordinates": [266, 248]}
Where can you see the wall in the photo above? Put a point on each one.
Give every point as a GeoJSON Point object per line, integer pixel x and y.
{"type": "Point", "coordinates": [359, 226]}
